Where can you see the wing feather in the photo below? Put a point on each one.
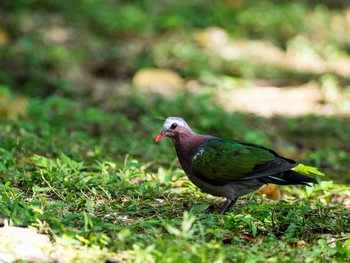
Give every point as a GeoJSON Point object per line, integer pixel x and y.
{"type": "Point", "coordinates": [231, 160]}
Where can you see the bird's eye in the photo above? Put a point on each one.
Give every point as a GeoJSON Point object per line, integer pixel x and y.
{"type": "Point", "coordinates": [173, 126]}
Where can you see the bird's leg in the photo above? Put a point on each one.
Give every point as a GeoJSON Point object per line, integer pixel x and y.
{"type": "Point", "coordinates": [228, 204]}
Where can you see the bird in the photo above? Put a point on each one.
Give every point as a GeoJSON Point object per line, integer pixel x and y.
{"type": "Point", "coordinates": [228, 168]}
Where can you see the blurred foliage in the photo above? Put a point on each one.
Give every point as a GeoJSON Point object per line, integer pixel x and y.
{"type": "Point", "coordinates": [61, 51]}
{"type": "Point", "coordinates": [77, 156]}
{"type": "Point", "coordinates": [51, 45]}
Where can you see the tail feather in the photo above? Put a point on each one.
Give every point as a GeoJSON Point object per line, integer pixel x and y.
{"type": "Point", "coordinates": [288, 177]}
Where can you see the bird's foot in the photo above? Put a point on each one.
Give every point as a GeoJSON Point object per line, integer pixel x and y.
{"type": "Point", "coordinates": [227, 205]}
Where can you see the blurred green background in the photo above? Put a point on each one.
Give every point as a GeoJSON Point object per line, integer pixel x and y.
{"type": "Point", "coordinates": [85, 86]}
{"type": "Point", "coordinates": [271, 72]}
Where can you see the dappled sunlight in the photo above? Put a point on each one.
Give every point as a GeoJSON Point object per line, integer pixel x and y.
{"type": "Point", "coordinates": [86, 85]}
{"type": "Point", "coordinates": [301, 55]}
{"type": "Point", "coordinates": [287, 101]}
{"type": "Point", "coordinates": [160, 81]}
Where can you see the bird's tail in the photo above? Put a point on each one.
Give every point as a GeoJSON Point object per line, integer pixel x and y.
{"type": "Point", "coordinates": [289, 177]}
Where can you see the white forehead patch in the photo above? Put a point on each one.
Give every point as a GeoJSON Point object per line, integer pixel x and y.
{"type": "Point", "coordinates": [179, 121]}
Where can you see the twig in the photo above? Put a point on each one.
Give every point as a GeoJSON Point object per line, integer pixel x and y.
{"type": "Point", "coordinates": [338, 239]}
{"type": "Point", "coordinates": [53, 189]}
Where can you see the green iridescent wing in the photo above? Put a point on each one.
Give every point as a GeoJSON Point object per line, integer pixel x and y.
{"type": "Point", "coordinates": [230, 160]}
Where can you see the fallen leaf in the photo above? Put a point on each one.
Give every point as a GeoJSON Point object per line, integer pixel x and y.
{"type": "Point", "coordinates": [4, 37]}
{"type": "Point", "coordinates": [12, 109]}
{"type": "Point", "coordinates": [271, 191]}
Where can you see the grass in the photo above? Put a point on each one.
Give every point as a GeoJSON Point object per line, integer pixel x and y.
{"type": "Point", "coordinates": [116, 194]}
{"type": "Point", "coordinates": [78, 160]}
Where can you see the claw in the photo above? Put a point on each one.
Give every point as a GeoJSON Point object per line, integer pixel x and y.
{"type": "Point", "coordinates": [227, 205]}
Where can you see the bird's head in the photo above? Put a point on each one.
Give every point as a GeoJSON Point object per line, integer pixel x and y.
{"type": "Point", "coordinates": [172, 128]}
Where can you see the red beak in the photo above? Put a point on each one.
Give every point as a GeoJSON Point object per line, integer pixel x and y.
{"type": "Point", "coordinates": [160, 136]}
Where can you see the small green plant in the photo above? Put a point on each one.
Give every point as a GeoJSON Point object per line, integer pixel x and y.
{"type": "Point", "coordinates": [77, 158]}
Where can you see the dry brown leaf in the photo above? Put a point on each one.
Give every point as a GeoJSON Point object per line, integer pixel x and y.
{"type": "Point", "coordinates": [251, 238]}
{"type": "Point", "coordinates": [4, 37]}
{"type": "Point", "coordinates": [179, 183]}
{"type": "Point", "coordinates": [271, 191]}
{"type": "Point", "coordinates": [13, 109]}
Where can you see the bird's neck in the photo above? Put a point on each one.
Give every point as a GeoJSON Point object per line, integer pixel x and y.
{"type": "Point", "coordinates": [186, 147]}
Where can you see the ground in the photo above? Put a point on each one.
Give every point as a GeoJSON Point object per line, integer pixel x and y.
{"type": "Point", "coordinates": [84, 91]}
